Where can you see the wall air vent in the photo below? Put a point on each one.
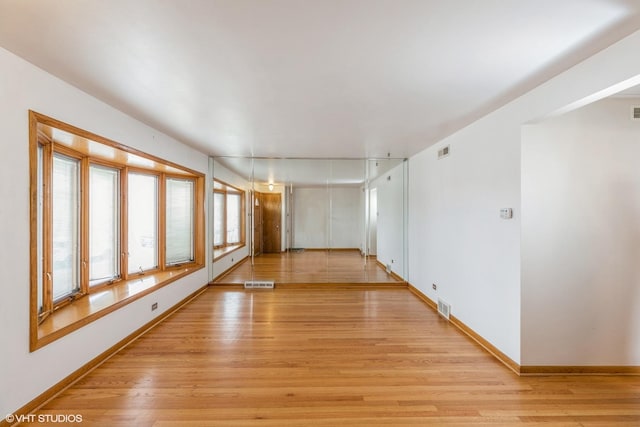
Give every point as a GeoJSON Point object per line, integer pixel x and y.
{"type": "Point", "coordinates": [259, 284]}
{"type": "Point", "coordinates": [443, 309]}
{"type": "Point", "coordinates": [635, 112]}
{"type": "Point", "coordinates": [443, 152]}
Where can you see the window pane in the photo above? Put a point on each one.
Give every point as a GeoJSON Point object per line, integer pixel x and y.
{"type": "Point", "coordinates": [104, 225]}
{"type": "Point", "coordinates": [65, 200]}
{"type": "Point", "coordinates": [179, 220]}
{"type": "Point", "coordinates": [39, 238]}
{"type": "Point", "coordinates": [142, 205]}
{"type": "Point", "coordinates": [218, 219]}
{"type": "Point", "coordinates": [233, 218]}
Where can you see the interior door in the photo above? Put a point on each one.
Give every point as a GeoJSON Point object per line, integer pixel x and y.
{"type": "Point", "coordinates": [271, 222]}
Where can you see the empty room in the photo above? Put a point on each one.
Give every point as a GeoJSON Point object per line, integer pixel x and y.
{"type": "Point", "coordinates": [310, 212]}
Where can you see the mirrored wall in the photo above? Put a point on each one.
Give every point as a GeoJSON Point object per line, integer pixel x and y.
{"type": "Point", "coordinates": [309, 220]}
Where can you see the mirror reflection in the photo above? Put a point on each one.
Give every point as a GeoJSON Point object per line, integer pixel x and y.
{"type": "Point", "coordinates": [309, 220]}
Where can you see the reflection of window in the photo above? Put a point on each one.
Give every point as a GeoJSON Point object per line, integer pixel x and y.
{"type": "Point", "coordinates": [233, 218]}
{"type": "Point", "coordinates": [228, 215]}
{"type": "Point", "coordinates": [98, 219]}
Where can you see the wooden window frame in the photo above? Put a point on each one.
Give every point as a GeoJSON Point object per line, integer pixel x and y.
{"type": "Point", "coordinates": [67, 314]}
{"type": "Point", "coordinates": [226, 190]}
{"type": "Point", "coordinates": [159, 220]}
{"type": "Point", "coordinates": [164, 225]}
{"type": "Point", "coordinates": [86, 232]}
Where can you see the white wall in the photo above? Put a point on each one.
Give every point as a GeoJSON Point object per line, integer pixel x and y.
{"type": "Point", "coordinates": [581, 237]}
{"type": "Point", "coordinates": [228, 177]}
{"type": "Point", "coordinates": [390, 192]}
{"type": "Point", "coordinates": [456, 238]}
{"type": "Point", "coordinates": [26, 375]}
{"type": "Point", "coordinates": [327, 218]}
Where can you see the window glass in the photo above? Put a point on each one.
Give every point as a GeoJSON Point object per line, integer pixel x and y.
{"type": "Point", "coordinates": [142, 206]}
{"type": "Point", "coordinates": [218, 219]}
{"type": "Point", "coordinates": [179, 220]}
{"type": "Point", "coordinates": [104, 226]}
{"type": "Point", "coordinates": [66, 225]}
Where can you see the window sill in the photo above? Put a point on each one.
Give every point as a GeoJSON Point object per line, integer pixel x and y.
{"type": "Point", "coordinates": [96, 305]}
{"type": "Point", "coordinates": [220, 252]}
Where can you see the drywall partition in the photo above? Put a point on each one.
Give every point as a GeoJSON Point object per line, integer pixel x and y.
{"type": "Point", "coordinates": [457, 239]}
{"type": "Point", "coordinates": [581, 237]}
{"type": "Point", "coordinates": [223, 263]}
{"type": "Point", "coordinates": [25, 375]}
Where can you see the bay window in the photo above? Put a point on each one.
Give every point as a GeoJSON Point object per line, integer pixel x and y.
{"type": "Point", "coordinates": [104, 216]}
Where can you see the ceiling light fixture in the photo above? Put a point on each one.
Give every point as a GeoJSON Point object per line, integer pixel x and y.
{"type": "Point", "coordinates": [270, 187]}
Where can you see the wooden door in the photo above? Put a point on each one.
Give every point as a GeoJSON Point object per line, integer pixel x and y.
{"type": "Point", "coordinates": [271, 222]}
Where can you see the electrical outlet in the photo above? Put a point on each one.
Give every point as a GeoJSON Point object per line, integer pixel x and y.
{"type": "Point", "coordinates": [154, 306]}
{"type": "Point", "coordinates": [434, 286]}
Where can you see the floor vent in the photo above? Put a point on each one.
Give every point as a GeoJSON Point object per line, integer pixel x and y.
{"type": "Point", "coordinates": [444, 309]}
{"type": "Point", "coordinates": [259, 284]}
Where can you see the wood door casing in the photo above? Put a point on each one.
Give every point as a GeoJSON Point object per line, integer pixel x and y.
{"type": "Point", "coordinates": [271, 204]}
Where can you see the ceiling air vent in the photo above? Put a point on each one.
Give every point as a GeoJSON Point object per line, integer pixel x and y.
{"type": "Point", "coordinates": [443, 152]}
{"type": "Point", "coordinates": [635, 112]}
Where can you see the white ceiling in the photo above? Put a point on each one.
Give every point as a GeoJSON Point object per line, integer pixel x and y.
{"type": "Point", "coordinates": [302, 78]}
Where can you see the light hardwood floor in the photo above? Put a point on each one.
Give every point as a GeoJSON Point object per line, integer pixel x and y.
{"type": "Point", "coordinates": [310, 266]}
{"type": "Point", "coordinates": [326, 356]}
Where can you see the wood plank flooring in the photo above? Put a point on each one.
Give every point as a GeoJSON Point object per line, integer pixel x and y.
{"type": "Point", "coordinates": [310, 266]}
{"type": "Point", "coordinates": [328, 357]}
